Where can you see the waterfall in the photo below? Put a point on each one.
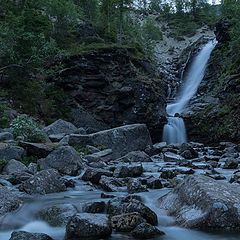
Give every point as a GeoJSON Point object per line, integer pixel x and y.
{"type": "Point", "coordinates": [174, 131]}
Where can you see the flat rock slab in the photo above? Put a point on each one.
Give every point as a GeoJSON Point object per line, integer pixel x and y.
{"type": "Point", "coordinates": [204, 203]}
{"type": "Point", "coordinates": [121, 140]}
{"type": "Point", "coordinates": [21, 235]}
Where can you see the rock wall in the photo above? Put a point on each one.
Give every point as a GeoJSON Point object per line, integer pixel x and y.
{"type": "Point", "coordinates": [114, 87]}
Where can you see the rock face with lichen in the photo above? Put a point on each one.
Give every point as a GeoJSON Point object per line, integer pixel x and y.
{"type": "Point", "coordinates": [204, 203]}
{"type": "Point", "coordinates": [113, 87]}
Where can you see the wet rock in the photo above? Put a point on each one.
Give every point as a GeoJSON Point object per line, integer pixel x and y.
{"type": "Point", "coordinates": [231, 163]}
{"type": "Point", "coordinates": [92, 149]}
{"type": "Point", "coordinates": [235, 178]}
{"type": "Point", "coordinates": [65, 159]}
{"type": "Point", "coordinates": [6, 136]}
{"type": "Point", "coordinates": [9, 201]}
{"type": "Point", "coordinates": [40, 150]}
{"type": "Point", "coordinates": [154, 183]}
{"type": "Point", "coordinates": [43, 182]}
{"type": "Point", "coordinates": [187, 151]}
{"type": "Point", "coordinates": [104, 155]}
{"type": "Point", "coordinates": [122, 205]}
{"type": "Point", "coordinates": [94, 175]}
{"type": "Point", "coordinates": [8, 152]}
{"type": "Point", "coordinates": [14, 166]}
{"type": "Point", "coordinates": [121, 140]}
{"type": "Point", "coordinates": [19, 177]}
{"type": "Point", "coordinates": [146, 230]}
{"type": "Point", "coordinates": [126, 222]}
{"type": "Point", "coordinates": [57, 215]}
{"type": "Point", "coordinates": [22, 235]}
{"type": "Point", "coordinates": [105, 195]}
{"type": "Point", "coordinates": [57, 137]}
{"type": "Point", "coordinates": [88, 226]}
{"type": "Point", "coordinates": [135, 186]}
{"type": "Point", "coordinates": [132, 170]}
{"type": "Point", "coordinates": [203, 203]}
{"type": "Point", "coordinates": [172, 157]}
{"type": "Point", "coordinates": [111, 184]}
{"type": "Point", "coordinates": [60, 126]}
{"type": "Point", "coordinates": [33, 168]}
{"type": "Point", "coordinates": [135, 156]}
{"type": "Point", "coordinates": [94, 207]}
{"type": "Point", "coordinates": [168, 173]}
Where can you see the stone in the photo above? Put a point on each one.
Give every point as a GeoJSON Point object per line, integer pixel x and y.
{"type": "Point", "coordinates": [104, 155]}
{"type": "Point", "coordinates": [131, 170]}
{"type": "Point", "coordinates": [172, 157]}
{"type": "Point", "coordinates": [19, 177]}
{"type": "Point", "coordinates": [22, 235]}
{"type": "Point", "coordinates": [111, 184]}
{"type": "Point", "coordinates": [135, 186]}
{"type": "Point", "coordinates": [6, 136]}
{"type": "Point", "coordinates": [121, 205]}
{"type": "Point", "coordinates": [204, 203]}
{"type": "Point", "coordinates": [169, 173]}
{"type": "Point", "coordinates": [187, 151]}
{"type": "Point", "coordinates": [44, 182]}
{"type": "Point", "coordinates": [65, 159]}
{"type": "Point", "coordinates": [154, 183]}
{"type": "Point", "coordinates": [88, 226]}
{"type": "Point", "coordinates": [94, 175]}
{"type": "Point", "coordinates": [60, 126]}
{"type": "Point", "coordinates": [8, 152]}
{"type": "Point", "coordinates": [135, 156]}
{"type": "Point", "coordinates": [121, 140]}
{"type": "Point", "coordinates": [40, 150]}
{"type": "Point", "coordinates": [146, 230]}
{"type": "Point", "coordinates": [126, 222]}
{"type": "Point", "coordinates": [57, 215]}
{"type": "Point", "coordinates": [9, 201]}
{"type": "Point", "coordinates": [94, 207]}
{"type": "Point", "coordinates": [14, 166]}
{"type": "Point", "coordinates": [231, 163]}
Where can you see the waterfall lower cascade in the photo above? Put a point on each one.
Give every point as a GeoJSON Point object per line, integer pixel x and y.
{"type": "Point", "coordinates": [174, 131]}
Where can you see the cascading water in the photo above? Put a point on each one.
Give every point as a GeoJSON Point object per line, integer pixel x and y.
{"type": "Point", "coordinates": [174, 131]}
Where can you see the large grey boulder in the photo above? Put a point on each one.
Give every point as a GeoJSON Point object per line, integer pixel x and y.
{"type": "Point", "coordinates": [9, 201]}
{"type": "Point", "coordinates": [204, 203]}
{"type": "Point", "coordinates": [94, 174]}
{"type": "Point", "coordinates": [60, 126]}
{"type": "Point", "coordinates": [131, 170]}
{"type": "Point", "coordinates": [65, 159]}
{"type": "Point", "coordinates": [121, 140]}
{"type": "Point", "coordinates": [8, 152]}
{"type": "Point", "coordinates": [43, 182]}
{"type": "Point", "coordinates": [88, 226]}
{"type": "Point", "coordinates": [14, 166]}
{"type": "Point", "coordinates": [22, 235]}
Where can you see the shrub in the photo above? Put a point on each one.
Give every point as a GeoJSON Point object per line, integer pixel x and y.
{"type": "Point", "coordinates": [26, 128]}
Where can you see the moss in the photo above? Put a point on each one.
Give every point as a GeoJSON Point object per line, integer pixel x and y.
{"type": "Point", "coordinates": [81, 149]}
{"type": "Point", "coordinates": [29, 159]}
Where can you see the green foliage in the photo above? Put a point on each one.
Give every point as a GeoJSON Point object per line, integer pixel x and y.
{"type": "Point", "coordinates": [4, 118]}
{"type": "Point", "coordinates": [2, 164]}
{"type": "Point", "coordinates": [82, 150]}
{"type": "Point", "coordinates": [25, 127]}
{"type": "Point", "coordinates": [29, 159]}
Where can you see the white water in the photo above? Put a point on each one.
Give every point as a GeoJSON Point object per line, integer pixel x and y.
{"type": "Point", "coordinates": [174, 131]}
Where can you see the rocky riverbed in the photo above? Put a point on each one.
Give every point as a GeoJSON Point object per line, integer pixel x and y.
{"type": "Point", "coordinates": [115, 183]}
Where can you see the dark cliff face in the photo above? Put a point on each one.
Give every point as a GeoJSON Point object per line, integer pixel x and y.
{"type": "Point", "coordinates": [217, 115]}
{"type": "Point", "coordinates": [115, 88]}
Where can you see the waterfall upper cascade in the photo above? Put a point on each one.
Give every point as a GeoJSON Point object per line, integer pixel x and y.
{"type": "Point", "coordinates": [174, 131]}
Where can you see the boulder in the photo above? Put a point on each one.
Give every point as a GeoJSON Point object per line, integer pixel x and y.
{"type": "Point", "coordinates": [19, 177]}
{"type": "Point", "coordinates": [132, 170]}
{"type": "Point", "coordinates": [6, 136]}
{"type": "Point", "coordinates": [40, 150]}
{"type": "Point", "coordinates": [14, 166]}
{"type": "Point", "coordinates": [203, 203]}
{"type": "Point", "coordinates": [146, 230]}
{"type": "Point", "coordinates": [187, 151]}
{"type": "Point", "coordinates": [121, 140]}
{"type": "Point", "coordinates": [60, 126]}
{"type": "Point", "coordinates": [9, 201]}
{"type": "Point", "coordinates": [111, 184]}
{"type": "Point", "coordinates": [88, 226]}
{"type": "Point", "coordinates": [172, 157]}
{"type": "Point", "coordinates": [94, 175]}
{"type": "Point", "coordinates": [122, 205]}
{"type": "Point", "coordinates": [126, 222]}
{"type": "Point", "coordinates": [154, 183]}
{"type": "Point", "coordinates": [22, 235]}
{"type": "Point", "coordinates": [135, 186]}
{"type": "Point", "coordinates": [8, 152]}
{"type": "Point", "coordinates": [65, 159]}
{"type": "Point", "coordinates": [104, 155]}
{"type": "Point", "coordinates": [231, 163]}
{"type": "Point", "coordinates": [94, 207]}
{"type": "Point", "coordinates": [43, 182]}
{"type": "Point", "coordinates": [57, 215]}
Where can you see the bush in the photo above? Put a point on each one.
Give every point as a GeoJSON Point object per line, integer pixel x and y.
{"type": "Point", "coordinates": [26, 128]}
